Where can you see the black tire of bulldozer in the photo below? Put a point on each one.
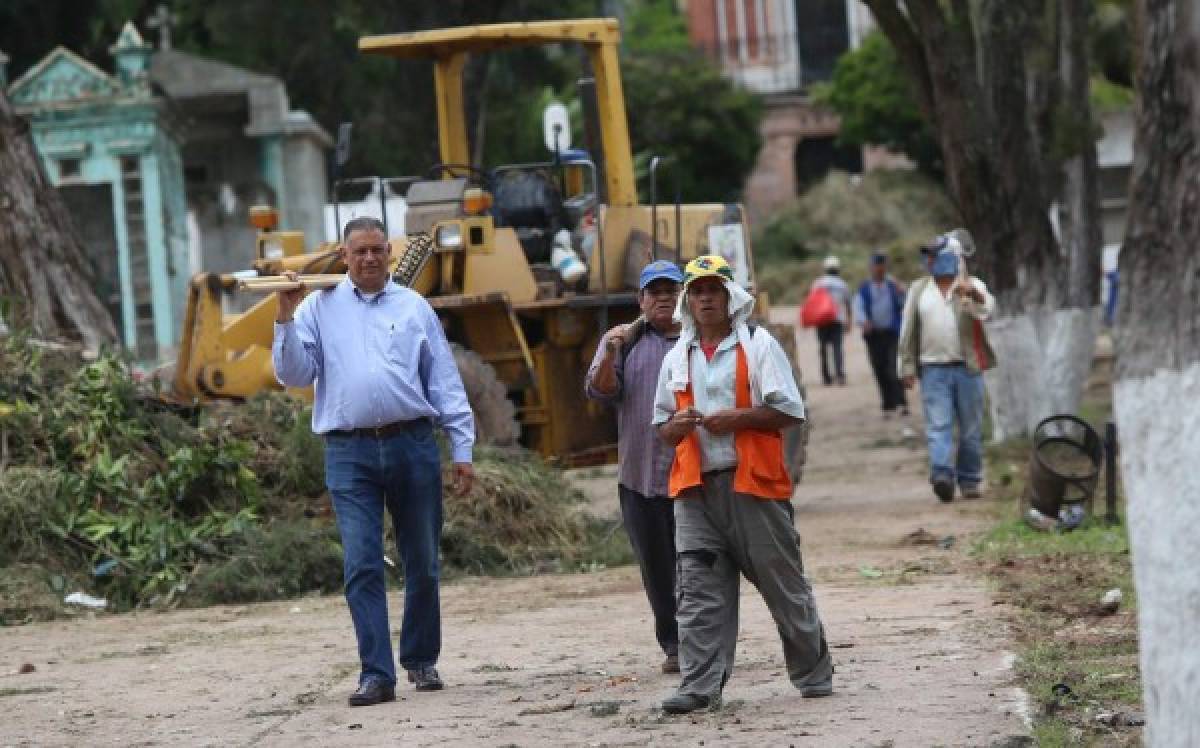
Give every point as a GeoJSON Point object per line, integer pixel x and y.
{"type": "Point", "coordinates": [495, 415]}
{"type": "Point", "coordinates": [795, 439]}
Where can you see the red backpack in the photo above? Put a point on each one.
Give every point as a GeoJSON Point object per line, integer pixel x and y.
{"type": "Point", "coordinates": [819, 309]}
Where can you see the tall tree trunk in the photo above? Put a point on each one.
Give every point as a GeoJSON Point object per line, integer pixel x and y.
{"type": "Point", "coordinates": [1046, 348]}
{"type": "Point", "coordinates": [44, 272]}
{"type": "Point", "coordinates": [1073, 311]}
{"type": "Point", "coordinates": [976, 75]}
{"type": "Point", "coordinates": [1158, 366]}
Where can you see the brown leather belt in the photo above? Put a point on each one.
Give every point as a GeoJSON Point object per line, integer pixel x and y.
{"type": "Point", "coordinates": [381, 432]}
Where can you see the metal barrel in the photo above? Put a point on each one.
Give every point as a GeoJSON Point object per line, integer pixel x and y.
{"type": "Point", "coordinates": [1065, 464]}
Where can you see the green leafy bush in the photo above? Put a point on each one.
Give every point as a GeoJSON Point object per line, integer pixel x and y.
{"type": "Point", "coordinates": [101, 483]}
{"type": "Point", "coordinates": [876, 104]}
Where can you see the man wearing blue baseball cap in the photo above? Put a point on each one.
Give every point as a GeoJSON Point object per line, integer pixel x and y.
{"type": "Point", "coordinates": [943, 341]}
{"type": "Point", "coordinates": [624, 373]}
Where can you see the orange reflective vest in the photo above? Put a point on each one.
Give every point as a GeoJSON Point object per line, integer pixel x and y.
{"type": "Point", "coordinates": [760, 471]}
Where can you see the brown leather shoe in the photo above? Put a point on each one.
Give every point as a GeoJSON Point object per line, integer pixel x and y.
{"type": "Point", "coordinates": [426, 679]}
{"type": "Point", "coordinates": [371, 692]}
{"type": "Point", "coordinates": [670, 665]}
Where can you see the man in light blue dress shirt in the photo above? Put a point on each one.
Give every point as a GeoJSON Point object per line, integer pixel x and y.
{"type": "Point", "coordinates": [385, 376]}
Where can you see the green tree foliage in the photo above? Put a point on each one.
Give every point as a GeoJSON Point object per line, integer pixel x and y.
{"type": "Point", "coordinates": [312, 47]}
{"type": "Point", "coordinates": [31, 28]}
{"type": "Point", "coordinates": [1110, 35]}
{"type": "Point", "coordinates": [874, 98]}
{"type": "Point", "coordinates": [656, 26]}
{"type": "Point", "coordinates": [680, 106]}
{"type": "Point", "coordinates": [875, 101]}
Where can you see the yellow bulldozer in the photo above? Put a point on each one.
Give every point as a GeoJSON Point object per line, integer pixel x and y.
{"type": "Point", "coordinates": [523, 337]}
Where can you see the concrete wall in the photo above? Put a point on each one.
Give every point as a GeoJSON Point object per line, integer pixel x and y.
{"type": "Point", "coordinates": [223, 181]}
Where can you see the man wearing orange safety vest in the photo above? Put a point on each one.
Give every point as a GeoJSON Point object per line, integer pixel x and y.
{"type": "Point", "coordinates": [725, 392]}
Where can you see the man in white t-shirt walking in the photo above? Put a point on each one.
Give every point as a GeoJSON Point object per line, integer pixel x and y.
{"type": "Point", "coordinates": [942, 341]}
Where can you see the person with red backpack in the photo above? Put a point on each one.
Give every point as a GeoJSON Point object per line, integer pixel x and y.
{"type": "Point", "coordinates": [943, 342]}
{"type": "Point", "coordinates": [827, 308]}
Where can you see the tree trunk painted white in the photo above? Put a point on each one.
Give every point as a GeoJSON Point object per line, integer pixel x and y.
{"type": "Point", "coordinates": [981, 79]}
{"type": "Point", "coordinates": [1018, 357]}
{"type": "Point", "coordinates": [1160, 453]}
{"type": "Point", "coordinates": [1157, 385]}
{"type": "Point", "coordinates": [1043, 363]}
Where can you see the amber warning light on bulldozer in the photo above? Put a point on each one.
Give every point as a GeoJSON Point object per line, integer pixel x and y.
{"type": "Point", "coordinates": [476, 202]}
{"type": "Point", "coordinates": [264, 217]}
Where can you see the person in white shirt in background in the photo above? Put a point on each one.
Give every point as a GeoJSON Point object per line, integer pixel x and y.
{"type": "Point", "coordinates": [942, 341]}
{"type": "Point", "coordinates": [830, 336]}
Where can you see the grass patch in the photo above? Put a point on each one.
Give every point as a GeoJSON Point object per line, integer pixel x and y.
{"type": "Point", "coordinates": [1014, 539]}
{"type": "Point", "coordinates": [1076, 658]}
{"type": "Point", "coordinates": [29, 592]}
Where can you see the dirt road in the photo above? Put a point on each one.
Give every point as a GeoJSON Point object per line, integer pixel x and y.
{"type": "Point", "coordinates": [571, 660]}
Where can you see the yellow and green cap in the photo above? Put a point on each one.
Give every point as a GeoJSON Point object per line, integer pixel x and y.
{"type": "Point", "coordinates": [705, 266]}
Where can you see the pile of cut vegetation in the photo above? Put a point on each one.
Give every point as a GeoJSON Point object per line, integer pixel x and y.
{"type": "Point", "coordinates": [520, 515]}
{"type": "Point", "coordinates": [106, 490]}
{"type": "Point", "coordinates": [850, 217]}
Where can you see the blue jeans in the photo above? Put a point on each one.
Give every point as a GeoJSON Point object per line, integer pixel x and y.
{"type": "Point", "coordinates": [951, 394]}
{"type": "Point", "coordinates": [403, 472]}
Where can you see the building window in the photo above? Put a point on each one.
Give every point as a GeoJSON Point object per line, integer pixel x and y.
{"type": "Point", "coordinates": [823, 37]}
{"type": "Point", "coordinates": [69, 168]}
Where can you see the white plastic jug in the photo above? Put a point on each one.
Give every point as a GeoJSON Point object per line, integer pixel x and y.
{"type": "Point", "coordinates": [565, 260]}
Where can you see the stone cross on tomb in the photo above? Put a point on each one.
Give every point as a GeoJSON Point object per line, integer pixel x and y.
{"type": "Point", "coordinates": [163, 19]}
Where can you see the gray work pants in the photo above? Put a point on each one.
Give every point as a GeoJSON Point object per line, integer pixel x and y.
{"type": "Point", "coordinates": [719, 534]}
